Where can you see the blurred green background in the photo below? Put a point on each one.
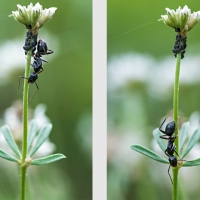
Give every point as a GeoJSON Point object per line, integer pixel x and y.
{"type": "Point", "coordinates": [140, 91]}
{"type": "Point", "coordinates": [65, 89]}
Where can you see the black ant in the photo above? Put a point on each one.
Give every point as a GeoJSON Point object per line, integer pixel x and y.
{"type": "Point", "coordinates": [31, 79]}
{"type": "Point", "coordinates": [42, 49]}
{"type": "Point", "coordinates": [171, 148]}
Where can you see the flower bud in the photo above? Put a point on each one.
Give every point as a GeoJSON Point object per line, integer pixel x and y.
{"type": "Point", "coordinates": [33, 17]}
{"type": "Point", "coordinates": [181, 19]}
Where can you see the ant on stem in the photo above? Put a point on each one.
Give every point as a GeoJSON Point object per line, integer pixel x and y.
{"type": "Point", "coordinates": [42, 49]}
{"type": "Point", "coordinates": [171, 148]}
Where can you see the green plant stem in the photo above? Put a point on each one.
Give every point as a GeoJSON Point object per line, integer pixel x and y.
{"type": "Point", "coordinates": [176, 120]}
{"type": "Point", "coordinates": [25, 126]}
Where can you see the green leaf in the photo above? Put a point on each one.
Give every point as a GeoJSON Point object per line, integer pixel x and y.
{"type": "Point", "coordinates": [183, 136]}
{"type": "Point", "coordinates": [48, 159]}
{"type": "Point", "coordinates": [43, 135]}
{"type": "Point", "coordinates": [149, 153]}
{"type": "Point", "coordinates": [7, 156]}
{"type": "Point", "coordinates": [161, 142]}
{"type": "Point", "coordinates": [32, 133]}
{"type": "Point", "coordinates": [9, 139]}
{"type": "Point", "coordinates": [191, 163]}
{"type": "Point", "coordinates": [192, 141]}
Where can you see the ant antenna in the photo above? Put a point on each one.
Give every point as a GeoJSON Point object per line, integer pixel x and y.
{"type": "Point", "coordinates": [169, 174]}
{"type": "Point", "coordinates": [31, 82]}
{"type": "Point", "coordinates": [35, 92]}
{"type": "Point", "coordinates": [19, 81]}
{"type": "Point", "coordinates": [165, 119]}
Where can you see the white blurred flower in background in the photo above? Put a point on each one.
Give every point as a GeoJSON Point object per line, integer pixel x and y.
{"type": "Point", "coordinates": [13, 118]}
{"type": "Point", "coordinates": [158, 75]}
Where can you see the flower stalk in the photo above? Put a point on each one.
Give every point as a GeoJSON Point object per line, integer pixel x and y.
{"type": "Point", "coordinates": [25, 125]}
{"type": "Point", "coordinates": [176, 120]}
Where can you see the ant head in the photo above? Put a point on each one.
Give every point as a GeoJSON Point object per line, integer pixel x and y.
{"type": "Point", "coordinates": [173, 161]}
{"type": "Point", "coordinates": [33, 77]}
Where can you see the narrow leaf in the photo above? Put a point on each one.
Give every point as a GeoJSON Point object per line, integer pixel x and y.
{"type": "Point", "coordinates": [48, 159]}
{"type": "Point", "coordinates": [191, 163]}
{"type": "Point", "coordinates": [192, 141]}
{"type": "Point", "coordinates": [161, 142]}
{"type": "Point", "coordinates": [43, 135]}
{"type": "Point", "coordinates": [149, 153]}
{"type": "Point", "coordinates": [9, 139]}
{"type": "Point", "coordinates": [183, 136]}
{"type": "Point", "coordinates": [32, 133]}
{"type": "Point", "coordinates": [7, 156]}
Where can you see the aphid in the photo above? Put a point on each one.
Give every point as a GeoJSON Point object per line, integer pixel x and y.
{"type": "Point", "coordinates": [30, 42]}
{"type": "Point", "coordinates": [31, 79]}
{"type": "Point", "coordinates": [28, 26]}
{"type": "Point", "coordinates": [180, 45]}
{"type": "Point", "coordinates": [177, 29]}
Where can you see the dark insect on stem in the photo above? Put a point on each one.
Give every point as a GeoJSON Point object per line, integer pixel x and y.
{"type": "Point", "coordinates": [42, 48]}
{"type": "Point", "coordinates": [37, 64]}
{"type": "Point", "coordinates": [180, 45]}
{"type": "Point", "coordinates": [177, 29]}
{"type": "Point", "coordinates": [171, 148]}
{"type": "Point", "coordinates": [30, 42]}
{"type": "Point", "coordinates": [31, 79]}
{"type": "Point", "coordinates": [169, 129]}
{"type": "Point", "coordinates": [28, 26]}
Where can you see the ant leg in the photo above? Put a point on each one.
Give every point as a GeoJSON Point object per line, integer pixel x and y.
{"type": "Point", "coordinates": [164, 136]}
{"type": "Point", "coordinates": [20, 79]}
{"type": "Point", "coordinates": [170, 175]}
{"type": "Point", "coordinates": [44, 60]}
{"type": "Point", "coordinates": [166, 153]}
{"type": "Point", "coordinates": [35, 92]}
{"type": "Point", "coordinates": [50, 51]}
{"type": "Point", "coordinates": [40, 70]}
{"type": "Point", "coordinates": [164, 122]}
{"type": "Point", "coordinates": [177, 154]}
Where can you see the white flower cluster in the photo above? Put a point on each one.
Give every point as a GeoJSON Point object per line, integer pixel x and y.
{"type": "Point", "coordinates": [182, 20]}
{"type": "Point", "coordinates": [33, 17]}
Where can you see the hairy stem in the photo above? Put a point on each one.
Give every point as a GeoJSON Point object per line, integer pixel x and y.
{"type": "Point", "coordinates": [25, 126]}
{"type": "Point", "coordinates": [176, 120]}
